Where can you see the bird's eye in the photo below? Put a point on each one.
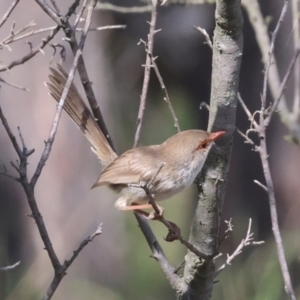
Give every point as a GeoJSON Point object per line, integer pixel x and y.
{"type": "Point", "coordinates": [203, 145]}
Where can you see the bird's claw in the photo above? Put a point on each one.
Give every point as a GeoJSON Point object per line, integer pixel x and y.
{"type": "Point", "coordinates": [173, 233]}
{"type": "Point", "coordinates": [153, 215]}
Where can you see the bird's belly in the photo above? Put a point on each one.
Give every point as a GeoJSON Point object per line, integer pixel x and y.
{"type": "Point", "coordinates": [161, 190]}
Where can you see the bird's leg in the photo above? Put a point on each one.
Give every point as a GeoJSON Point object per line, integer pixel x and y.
{"type": "Point", "coordinates": [156, 215]}
{"type": "Point", "coordinates": [150, 216]}
{"type": "Point", "coordinates": [174, 231]}
{"type": "Point", "coordinates": [136, 207]}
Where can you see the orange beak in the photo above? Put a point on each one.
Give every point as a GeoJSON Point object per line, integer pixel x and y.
{"type": "Point", "coordinates": [215, 135]}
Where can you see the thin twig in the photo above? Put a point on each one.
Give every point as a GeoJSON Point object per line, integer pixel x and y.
{"type": "Point", "coordinates": [78, 16]}
{"type": "Point", "coordinates": [62, 52]}
{"type": "Point", "coordinates": [274, 215]}
{"type": "Point", "coordinates": [162, 84]}
{"type": "Point", "coordinates": [206, 36]}
{"type": "Point", "coordinates": [89, 239]}
{"type": "Point", "coordinates": [123, 9]}
{"type": "Point", "coordinates": [247, 111]}
{"type": "Point", "coordinates": [14, 85]}
{"type": "Point", "coordinates": [262, 36]}
{"type": "Point", "coordinates": [248, 241]}
{"type": "Point", "coordinates": [8, 13]}
{"type": "Point", "coordinates": [59, 110]}
{"type": "Point", "coordinates": [61, 272]}
{"type": "Point", "coordinates": [49, 11]}
{"type": "Point", "coordinates": [270, 55]}
{"type": "Point", "coordinates": [15, 38]}
{"type": "Point", "coordinates": [150, 41]}
{"type": "Point", "coordinates": [296, 34]}
{"type": "Point", "coordinates": [283, 86]}
{"type": "Point", "coordinates": [22, 170]}
{"type": "Point", "coordinates": [264, 119]}
{"type": "Point", "coordinates": [32, 53]}
{"type": "Point", "coordinates": [55, 6]}
{"type": "Point", "coordinates": [14, 34]}
{"type": "Point", "coordinates": [4, 173]}
{"type": "Point", "coordinates": [7, 268]}
{"type": "Point", "coordinates": [157, 253]}
{"type": "Point", "coordinates": [261, 185]}
{"type": "Point", "coordinates": [10, 134]}
{"type": "Point", "coordinates": [87, 84]}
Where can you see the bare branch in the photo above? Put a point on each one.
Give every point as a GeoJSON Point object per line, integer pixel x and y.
{"type": "Point", "coordinates": [206, 36]}
{"type": "Point", "coordinates": [31, 53]}
{"type": "Point", "coordinates": [265, 115]}
{"type": "Point", "coordinates": [7, 268]}
{"type": "Point", "coordinates": [262, 36]}
{"type": "Point", "coordinates": [87, 84]}
{"type": "Point", "coordinates": [270, 55]}
{"type": "Point", "coordinates": [54, 127]}
{"type": "Point", "coordinates": [296, 36]}
{"type": "Point", "coordinates": [89, 239]}
{"type": "Point", "coordinates": [274, 215]}
{"type": "Point", "coordinates": [204, 105]}
{"type": "Point", "coordinates": [247, 139]}
{"type": "Point", "coordinates": [8, 13]}
{"type": "Point", "coordinates": [283, 87]}
{"type": "Point", "coordinates": [157, 252]}
{"type": "Point", "coordinates": [78, 17]}
{"type": "Point", "coordinates": [247, 111]}
{"type": "Point", "coordinates": [248, 241]}
{"type": "Point", "coordinates": [55, 6]}
{"type": "Point", "coordinates": [162, 84]}
{"type": "Point", "coordinates": [22, 170]}
{"type": "Point", "coordinates": [61, 271]}
{"type": "Point", "coordinates": [261, 185]}
{"type": "Point", "coordinates": [10, 134]}
{"type": "Point", "coordinates": [146, 73]}
{"type": "Point", "coordinates": [15, 38]}
{"type": "Point", "coordinates": [4, 173]}
{"type": "Point", "coordinates": [50, 12]}
{"type": "Point", "coordinates": [14, 85]}
{"type": "Point", "coordinates": [123, 9]}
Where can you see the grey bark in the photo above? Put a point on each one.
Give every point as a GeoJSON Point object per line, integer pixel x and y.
{"type": "Point", "coordinates": [227, 54]}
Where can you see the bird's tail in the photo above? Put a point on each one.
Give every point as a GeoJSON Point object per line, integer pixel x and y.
{"type": "Point", "coordinates": [80, 114]}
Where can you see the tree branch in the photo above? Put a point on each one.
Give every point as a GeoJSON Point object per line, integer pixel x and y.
{"type": "Point", "coordinates": [260, 27]}
{"type": "Point", "coordinates": [8, 13]}
{"type": "Point", "coordinates": [157, 252]}
{"type": "Point", "coordinates": [248, 241]}
{"type": "Point", "coordinates": [147, 71]}
{"type": "Point", "coordinates": [162, 84]}
{"type": "Point", "coordinates": [33, 52]}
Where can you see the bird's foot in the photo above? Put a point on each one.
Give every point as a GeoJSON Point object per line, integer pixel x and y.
{"type": "Point", "coordinates": [174, 233]}
{"type": "Point", "coordinates": [156, 215]}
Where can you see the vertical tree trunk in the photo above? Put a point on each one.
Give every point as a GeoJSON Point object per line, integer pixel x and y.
{"type": "Point", "coordinates": [227, 54]}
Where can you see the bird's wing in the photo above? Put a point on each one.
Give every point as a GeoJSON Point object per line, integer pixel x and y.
{"type": "Point", "coordinates": [132, 167]}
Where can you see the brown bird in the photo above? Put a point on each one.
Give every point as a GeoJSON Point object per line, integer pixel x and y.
{"type": "Point", "coordinates": [165, 169]}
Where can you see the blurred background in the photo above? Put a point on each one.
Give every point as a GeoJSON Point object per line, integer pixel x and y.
{"type": "Point", "coordinates": [117, 264]}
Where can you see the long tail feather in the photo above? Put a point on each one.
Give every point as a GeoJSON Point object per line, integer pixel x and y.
{"type": "Point", "coordinates": [80, 114]}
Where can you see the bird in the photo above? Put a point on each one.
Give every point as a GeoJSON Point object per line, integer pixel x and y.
{"type": "Point", "coordinates": [162, 170]}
